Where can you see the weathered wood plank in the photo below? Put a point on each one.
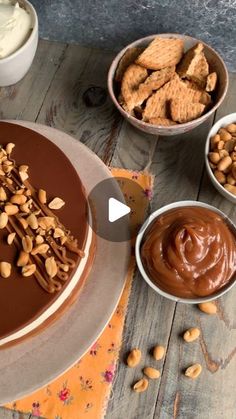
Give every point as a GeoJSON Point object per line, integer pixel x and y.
{"type": "Point", "coordinates": [10, 414]}
{"type": "Point", "coordinates": [134, 149]}
{"type": "Point", "coordinates": [229, 104]}
{"type": "Point", "coordinates": [212, 395]}
{"type": "Point", "coordinates": [78, 103]}
{"type": "Point", "coordinates": [24, 100]}
{"type": "Point", "coordinates": [177, 164]}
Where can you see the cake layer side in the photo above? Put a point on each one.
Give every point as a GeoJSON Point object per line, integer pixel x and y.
{"type": "Point", "coordinates": [22, 299]}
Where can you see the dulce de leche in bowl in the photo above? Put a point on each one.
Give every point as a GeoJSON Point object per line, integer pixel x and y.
{"type": "Point", "coordinates": [188, 252]}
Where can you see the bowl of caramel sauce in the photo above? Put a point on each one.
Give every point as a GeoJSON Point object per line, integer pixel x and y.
{"type": "Point", "coordinates": [186, 251]}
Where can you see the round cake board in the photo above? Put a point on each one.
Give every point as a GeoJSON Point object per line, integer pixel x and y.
{"type": "Point", "coordinates": [35, 362]}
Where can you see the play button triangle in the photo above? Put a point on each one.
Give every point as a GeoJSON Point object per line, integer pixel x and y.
{"type": "Point", "coordinates": [116, 210]}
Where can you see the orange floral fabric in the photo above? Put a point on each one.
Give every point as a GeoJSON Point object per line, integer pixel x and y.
{"type": "Point", "coordinates": [83, 391]}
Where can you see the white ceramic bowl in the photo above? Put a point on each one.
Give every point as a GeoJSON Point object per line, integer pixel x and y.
{"type": "Point", "coordinates": [226, 120]}
{"type": "Point", "coordinates": [14, 67]}
{"type": "Point", "coordinates": [144, 274]}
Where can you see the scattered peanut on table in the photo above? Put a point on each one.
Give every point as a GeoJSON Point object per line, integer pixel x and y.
{"type": "Point", "coordinates": [134, 358]}
{"type": "Point", "coordinates": [191, 334]}
{"type": "Point", "coordinates": [141, 385]}
{"type": "Point", "coordinates": [222, 157]}
{"type": "Point", "coordinates": [158, 352]}
{"type": "Point", "coordinates": [152, 373]}
{"type": "Point", "coordinates": [208, 307]}
{"type": "Point", "coordinates": [193, 371]}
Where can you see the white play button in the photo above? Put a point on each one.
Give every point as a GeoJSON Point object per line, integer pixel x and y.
{"type": "Point", "coordinates": [116, 210]}
{"type": "Point", "coordinates": [113, 202]}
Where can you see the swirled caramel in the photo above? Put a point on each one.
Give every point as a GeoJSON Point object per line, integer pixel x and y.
{"type": "Point", "coordinates": [189, 252]}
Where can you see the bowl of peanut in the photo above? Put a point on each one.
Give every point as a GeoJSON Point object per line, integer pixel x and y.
{"type": "Point", "coordinates": [220, 156]}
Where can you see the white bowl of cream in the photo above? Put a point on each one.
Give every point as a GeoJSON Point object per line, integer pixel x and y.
{"type": "Point", "coordinates": [18, 39]}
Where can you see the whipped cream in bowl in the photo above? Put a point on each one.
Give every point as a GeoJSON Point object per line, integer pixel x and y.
{"type": "Point", "coordinates": [18, 39]}
{"type": "Point", "coordinates": [15, 27]}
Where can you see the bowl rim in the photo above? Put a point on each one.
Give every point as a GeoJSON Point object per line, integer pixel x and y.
{"type": "Point", "coordinates": [144, 274]}
{"type": "Point", "coordinates": [214, 129]}
{"type": "Point", "coordinates": [32, 33]}
{"type": "Point", "coordinates": [115, 62]}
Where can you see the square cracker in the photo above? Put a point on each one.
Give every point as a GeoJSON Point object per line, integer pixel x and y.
{"type": "Point", "coordinates": [182, 111]}
{"type": "Point", "coordinates": [134, 75]}
{"type": "Point", "coordinates": [194, 65]}
{"type": "Point", "coordinates": [204, 97]}
{"type": "Point", "coordinates": [128, 58]}
{"type": "Point", "coordinates": [187, 59]}
{"type": "Point", "coordinates": [159, 77]}
{"type": "Point", "coordinates": [140, 92]}
{"type": "Point", "coordinates": [211, 82]}
{"type": "Point", "coordinates": [161, 53]}
{"type": "Point", "coordinates": [157, 105]}
{"type": "Point", "coordinates": [153, 82]}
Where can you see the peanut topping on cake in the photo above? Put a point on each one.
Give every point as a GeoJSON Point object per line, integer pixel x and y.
{"type": "Point", "coordinates": [43, 243]}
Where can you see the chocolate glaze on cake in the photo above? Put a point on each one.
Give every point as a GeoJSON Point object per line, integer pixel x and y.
{"type": "Point", "coordinates": [22, 299]}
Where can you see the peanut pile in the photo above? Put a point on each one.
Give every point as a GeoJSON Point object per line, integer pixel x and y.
{"type": "Point", "coordinates": [190, 335]}
{"type": "Point", "coordinates": [222, 157]}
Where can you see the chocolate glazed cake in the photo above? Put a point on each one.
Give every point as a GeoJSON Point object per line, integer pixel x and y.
{"type": "Point", "coordinates": [46, 243]}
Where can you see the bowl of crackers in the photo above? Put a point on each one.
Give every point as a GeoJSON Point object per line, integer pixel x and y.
{"type": "Point", "coordinates": [167, 84]}
{"type": "Point", "coordinates": [220, 156]}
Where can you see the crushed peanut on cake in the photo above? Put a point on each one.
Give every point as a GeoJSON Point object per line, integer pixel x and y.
{"type": "Point", "coordinates": [42, 241]}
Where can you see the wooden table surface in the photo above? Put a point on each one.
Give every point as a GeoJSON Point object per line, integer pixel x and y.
{"type": "Point", "coordinates": [59, 91]}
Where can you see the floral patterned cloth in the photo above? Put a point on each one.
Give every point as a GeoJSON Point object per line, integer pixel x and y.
{"type": "Point", "coordinates": [83, 391]}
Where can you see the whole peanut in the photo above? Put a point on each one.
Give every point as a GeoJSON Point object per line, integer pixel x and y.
{"type": "Point", "coordinates": [193, 371]}
{"type": "Point", "coordinates": [214, 157]}
{"type": "Point", "coordinates": [224, 163]}
{"type": "Point", "coordinates": [220, 176]}
{"type": "Point", "coordinates": [134, 358]}
{"type": "Point", "coordinates": [224, 135]}
{"type": "Point", "coordinates": [152, 373]}
{"type": "Point", "coordinates": [214, 140]}
{"type": "Point", "coordinates": [220, 145]}
{"type": "Point", "coordinates": [230, 179]}
{"type": "Point", "coordinates": [158, 352]}
{"type": "Point", "coordinates": [141, 385]}
{"type": "Point", "coordinates": [231, 128]}
{"type": "Point", "coordinates": [208, 307]}
{"type": "Point", "coordinates": [191, 334]}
